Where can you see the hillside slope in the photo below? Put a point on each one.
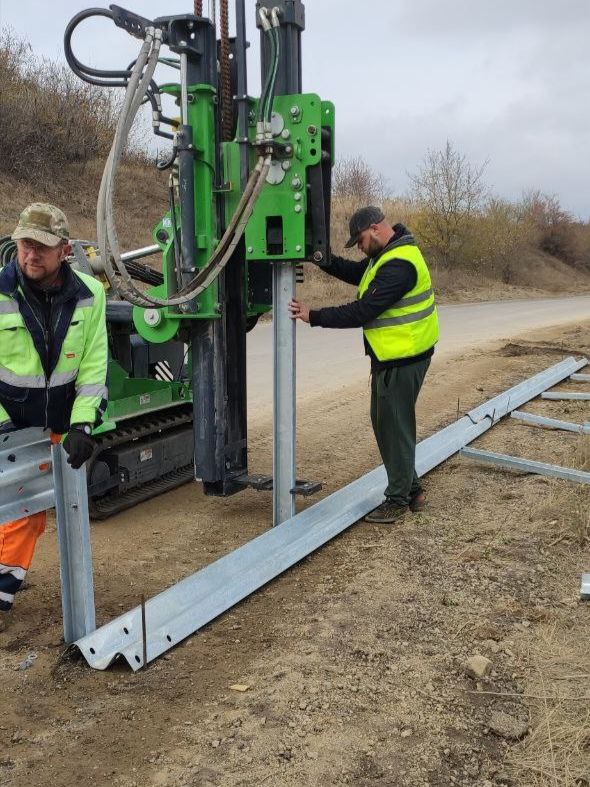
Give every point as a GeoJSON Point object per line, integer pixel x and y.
{"type": "Point", "coordinates": [142, 200]}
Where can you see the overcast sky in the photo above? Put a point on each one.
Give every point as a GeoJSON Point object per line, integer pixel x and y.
{"type": "Point", "coordinates": [506, 81]}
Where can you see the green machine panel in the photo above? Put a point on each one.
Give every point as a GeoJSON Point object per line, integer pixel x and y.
{"type": "Point", "coordinates": [302, 127]}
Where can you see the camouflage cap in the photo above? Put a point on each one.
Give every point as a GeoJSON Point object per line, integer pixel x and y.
{"type": "Point", "coordinates": [44, 223]}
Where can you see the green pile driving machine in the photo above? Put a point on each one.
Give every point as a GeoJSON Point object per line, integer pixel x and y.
{"type": "Point", "coordinates": [249, 201]}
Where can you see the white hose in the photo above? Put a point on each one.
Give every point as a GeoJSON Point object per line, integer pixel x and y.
{"type": "Point", "coordinates": [108, 239]}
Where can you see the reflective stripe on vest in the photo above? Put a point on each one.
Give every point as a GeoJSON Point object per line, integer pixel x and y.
{"type": "Point", "coordinates": [410, 326]}
{"type": "Point", "coordinates": [385, 322]}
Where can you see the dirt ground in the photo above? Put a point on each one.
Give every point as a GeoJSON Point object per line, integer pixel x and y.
{"type": "Point", "coordinates": [355, 658]}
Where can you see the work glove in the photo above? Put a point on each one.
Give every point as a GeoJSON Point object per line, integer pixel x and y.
{"type": "Point", "coordinates": [78, 445]}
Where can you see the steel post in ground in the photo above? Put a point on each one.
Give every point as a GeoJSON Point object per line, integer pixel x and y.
{"type": "Point", "coordinates": [75, 556]}
{"type": "Point", "coordinates": [284, 418]}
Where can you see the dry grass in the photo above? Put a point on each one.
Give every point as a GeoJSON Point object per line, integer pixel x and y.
{"type": "Point", "coordinates": [141, 200]}
{"type": "Point", "coordinates": [533, 273]}
{"type": "Point", "coordinates": [567, 517]}
{"type": "Point", "coordinates": [557, 661]}
{"type": "Point", "coordinates": [557, 752]}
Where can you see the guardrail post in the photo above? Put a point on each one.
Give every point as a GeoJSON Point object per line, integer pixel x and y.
{"type": "Point", "coordinates": [75, 556]}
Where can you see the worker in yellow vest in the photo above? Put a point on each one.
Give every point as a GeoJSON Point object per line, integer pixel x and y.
{"type": "Point", "coordinates": [395, 308]}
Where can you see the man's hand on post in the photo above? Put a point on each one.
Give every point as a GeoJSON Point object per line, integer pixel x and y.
{"type": "Point", "coordinates": [298, 311]}
{"type": "Point", "coordinates": [79, 445]}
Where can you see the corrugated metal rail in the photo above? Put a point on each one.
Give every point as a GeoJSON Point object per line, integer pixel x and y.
{"type": "Point", "coordinates": [182, 609]}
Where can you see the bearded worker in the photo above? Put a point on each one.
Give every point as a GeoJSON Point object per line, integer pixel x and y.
{"type": "Point", "coordinates": [53, 362]}
{"type": "Point", "coordinates": [396, 310]}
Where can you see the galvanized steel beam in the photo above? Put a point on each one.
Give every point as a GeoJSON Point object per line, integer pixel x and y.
{"type": "Point", "coordinates": [192, 603]}
{"type": "Point", "coordinates": [527, 465]}
{"type": "Point", "coordinates": [585, 587]}
{"type": "Point", "coordinates": [580, 378]}
{"type": "Point", "coordinates": [582, 396]}
{"type": "Point", "coordinates": [284, 399]}
{"type": "Point", "coordinates": [26, 482]}
{"type": "Point", "coordinates": [550, 423]}
{"type": "Point", "coordinates": [75, 556]}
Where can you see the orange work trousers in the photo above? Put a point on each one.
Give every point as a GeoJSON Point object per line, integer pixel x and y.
{"type": "Point", "coordinates": [17, 545]}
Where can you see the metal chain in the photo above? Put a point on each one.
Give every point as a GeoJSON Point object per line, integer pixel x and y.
{"type": "Point", "coordinates": [225, 77]}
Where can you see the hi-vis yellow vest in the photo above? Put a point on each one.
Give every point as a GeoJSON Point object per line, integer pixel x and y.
{"type": "Point", "coordinates": [410, 326]}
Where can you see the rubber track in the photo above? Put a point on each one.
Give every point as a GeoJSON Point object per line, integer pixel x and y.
{"type": "Point", "coordinates": [131, 430]}
{"type": "Point", "coordinates": [144, 426]}
{"type": "Point", "coordinates": [104, 507]}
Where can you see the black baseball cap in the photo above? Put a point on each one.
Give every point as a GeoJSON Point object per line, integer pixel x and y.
{"type": "Point", "coordinates": [359, 222]}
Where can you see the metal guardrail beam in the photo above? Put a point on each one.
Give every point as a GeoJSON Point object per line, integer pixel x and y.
{"type": "Point", "coordinates": [581, 396]}
{"type": "Point", "coordinates": [35, 476]}
{"type": "Point", "coordinates": [550, 423]}
{"type": "Point", "coordinates": [580, 378]}
{"type": "Point", "coordinates": [26, 482]}
{"type": "Point", "coordinates": [196, 600]}
{"type": "Point", "coordinates": [527, 465]}
{"type": "Point", "coordinates": [73, 534]}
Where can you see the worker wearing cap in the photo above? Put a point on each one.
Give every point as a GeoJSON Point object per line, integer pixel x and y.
{"type": "Point", "coordinates": [53, 362]}
{"type": "Point", "coordinates": [395, 307]}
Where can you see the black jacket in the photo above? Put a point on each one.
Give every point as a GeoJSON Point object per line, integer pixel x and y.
{"type": "Point", "coordinates": [393, 280]}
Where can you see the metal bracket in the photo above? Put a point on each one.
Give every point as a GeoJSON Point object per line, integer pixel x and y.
{"type": "Point", "coordinates": [134, 24]}
{"type": "Point", "coordinates": [264, 483]}
{"type": "Point", "coordinates": [306, 488]}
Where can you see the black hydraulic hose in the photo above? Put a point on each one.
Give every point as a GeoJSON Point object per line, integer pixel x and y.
{"type": "Point", "coordinates": [144, 273]}
{"type": "Point", "coordinates": [271, 90]}
{"type": "Point", "coordinates": [7, 250]}
{"type": "Point", "coordinates": [95, 76]}
{"type": "Point", "coordinates": [268, 79]}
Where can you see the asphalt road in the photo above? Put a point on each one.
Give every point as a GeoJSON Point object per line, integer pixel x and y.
{"type": "Point", "coordinates": [330, 359]}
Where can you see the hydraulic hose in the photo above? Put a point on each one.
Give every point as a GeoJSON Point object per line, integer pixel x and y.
{"type": "Point", "coordinates": [266, 26]}
{"type": "Point", "coordinates": [138, 83]}
{"type": "Point", "coordinates": [94, 76]}
{"type": "Point", "coordinates": [275, 67]}
{"type": "Point", "coordinates": [108, 240]}
{"type": "Point", "coordinates": [107, 236]}
{"type": "Point", "coordinates": [7, 250]}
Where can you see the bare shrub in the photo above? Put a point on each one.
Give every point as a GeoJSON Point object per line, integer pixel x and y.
{"type": "Point", "coordinates": [499, 236]}
{"type": "Point", "coordinates": [353, 178]}
{"type": "Point", "coordinates": [554, 225]}
{"type": "Point", "coordinates": [448, 192]}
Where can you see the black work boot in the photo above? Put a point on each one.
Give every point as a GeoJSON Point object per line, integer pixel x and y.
{"type": "Point", "coordinates": [387, 513]}
{"type": "Point", "coordinates": [418, 502]}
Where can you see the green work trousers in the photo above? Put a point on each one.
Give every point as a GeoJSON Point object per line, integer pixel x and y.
{"type": "Point", "coordinates": [394, 393]}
